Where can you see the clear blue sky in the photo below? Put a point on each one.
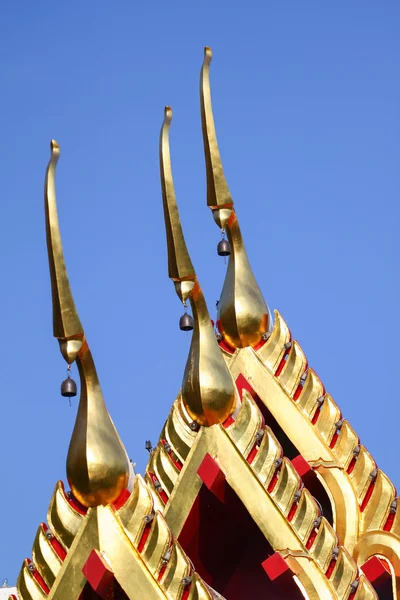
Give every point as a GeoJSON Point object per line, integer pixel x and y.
{"type": "Point", "coordinates": [306, 101]}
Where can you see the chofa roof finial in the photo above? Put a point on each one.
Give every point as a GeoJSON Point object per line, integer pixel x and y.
{"type": "Point", "coordinates": [97, 463]}
{"type": "Point", "coordinates": [208, 390]}
{"type": "Point", "coordinates": [243, 315]}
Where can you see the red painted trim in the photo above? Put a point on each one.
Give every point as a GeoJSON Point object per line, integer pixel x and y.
{"type": "Point", "coordinates": [316, 415]}
{"type": "Point", "coordinates": [172, 458]}
{"type": "Point", "coordinates": [212, 476]}
{"type": "Point", "coordinates": [311, 539]}
{"type": "Point", "coordinates": [242, 384]}
{"type": "Point", "coordinates": [162, 571]}
{"type": "Point", "coordinates": [292, 511]}
{"type": "Point", "coordinates": [298, 391]}
{"type": "Point", "coordinates": [260, 344]}
{"type": "Point", "coordinates": [228, 422]}
{"type": "Point", "coordinates": [301, 465]}
{"type": "Point", "coordinates": [77, 506]}
{"type": "Point", "coordinates": [162, 494]}
{"type": "Point", "coordinates": [330, 568]}
{"type": "Point", "coordinates": [99, 574]}
{"type": "Point", "coordinates": [38, 578]}
{"type": "Point", "coordinates": [55, 543]}
{"type": "Point", "coordinates": [273, 481]}
{"type": "Point", "coordinates": [374, 568]}
{"type": "Point", "coordinates": [223, 344]}
{"type": "Point", "coordinates": [300, 387]}
{"type": "Point", "coordinates": [334, 440]}
{"type": "Point", "coordinates": [281, 365]}
{"type": "Point", "coordinates": [275, 567]}
{"type": "Point", "coordinates": [389, 522]}
{"type": "Point", "coordinates": [367, 496]}
{"type": "Point", "coordinates": [351, 465]}
{"type": "Point", "coordinates": [144, 537]}
{"type": "Point", "coordinates": [122, 498]}
{"type": "Point", "coordinates": [252, 454]}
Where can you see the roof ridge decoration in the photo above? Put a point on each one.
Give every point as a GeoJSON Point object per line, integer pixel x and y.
{"type": "Point", "coordinates": [282, 505]}
{"type": "Point", "coordinates": [243, 315]}
{"type": "Point", "coordinates": [362, 493]}
{"type": "Point", "coordinates": [97, 464]}
{"type": "Point", "coordinates": [146, 559]}
{"type": "Point", "coordinates": [208, 391]}
{"type": "Point", "coordinates": [364, 502]}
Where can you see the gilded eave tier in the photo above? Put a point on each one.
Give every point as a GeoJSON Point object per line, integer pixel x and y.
{"type": "Point", "coordinates": [134, 539]}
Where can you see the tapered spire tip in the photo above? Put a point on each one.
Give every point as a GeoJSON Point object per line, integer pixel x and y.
{"type": "Point", "coordinates": [207, 55]}
{"type": "Point", "coordinates": [167, 115]}
{"type": "Point", "coordinates": [54, 146]}
{"type": "Point", "coordinates": [180, 268]}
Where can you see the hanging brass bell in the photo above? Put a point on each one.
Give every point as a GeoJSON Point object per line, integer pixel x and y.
{"type": "Point", "coordinates": [68, 388]}
{"type": "Point", "coordinates": [186, 322]}
{"type": "Point", "coordinates": [224, 248]}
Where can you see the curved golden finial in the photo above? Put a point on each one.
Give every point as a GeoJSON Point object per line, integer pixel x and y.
{"type": "Point", "coordinates": [243, 315]}
{"type": "Point", "coordinates": [218, 194]}
{"type": "Point", "coordinates": [67, 327]}
{"type": "Point", "coordinates": [180, 268]}
{"type": "Point", "coordinates": [97, 464]}
{"type": "Point", "coordinates": [208, 391]}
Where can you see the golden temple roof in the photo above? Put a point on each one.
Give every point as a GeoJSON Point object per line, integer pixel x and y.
{"type": "Point", "coordinates": [252, 435]}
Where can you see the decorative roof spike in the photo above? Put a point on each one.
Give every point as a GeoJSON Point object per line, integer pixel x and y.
{"type": "Point", "coordinates": [208, 390]}
{"type": "Point", "coordinates": [180, 268]}
{"type": "Point", "coordinates": [243, 315]}
{"type": "Point", "coordinates": [97, 463]}
{"type": "Point", "coordinates": [67, 327]}
{"type": "Point", "coordinates": [218, 194]}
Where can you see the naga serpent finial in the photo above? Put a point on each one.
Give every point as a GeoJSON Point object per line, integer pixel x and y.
{"type": "Point", "coordinates": [243, 315]}
{"type": "Point", "coordinates": [208, 390]}
{"type": "Point", "coordinates": [97, 463]}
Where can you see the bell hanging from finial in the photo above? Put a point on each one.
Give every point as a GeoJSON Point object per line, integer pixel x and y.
{"type": "Point", "coordinates": [186, 322]}
{"type": "Point", "coordinates": [68, 387]}
{"type": "Point", "coordinates": [224, 247]}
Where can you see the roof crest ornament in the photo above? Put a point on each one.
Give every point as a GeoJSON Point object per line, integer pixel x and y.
{"type": "Point", "coordinates": [243, 315]}
{"type": "Point", "coordinates": [97, 463]}
{"type": "Point", "coordinates": [208, 391]}
{"type": "Point", "coordinates": [180, 267]}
